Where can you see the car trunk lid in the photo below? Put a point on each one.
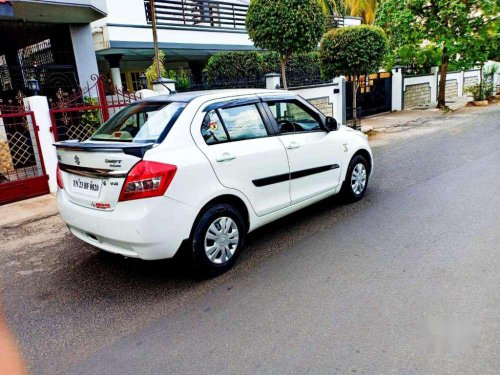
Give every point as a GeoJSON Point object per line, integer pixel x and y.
{"type": "Point", "coordinates": [93, 173]}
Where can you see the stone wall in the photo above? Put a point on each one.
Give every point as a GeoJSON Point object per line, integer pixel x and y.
{"type": "Point", "coordinates": [323, 105]}
{"type": "Point", "coordinates": [417, 95]}
{"type": "Point", "coordinates": [451, 89]}
{"type": "Point", "coordinates": [470, 81]}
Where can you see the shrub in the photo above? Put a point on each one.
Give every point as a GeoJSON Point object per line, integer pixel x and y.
{"type": "Point", "coordinates": [234, 66]}
{"type": "Point", "coordinates": [353, 52]}
{"type": "Point", "coordinates": [287, 27]}
{"type": "Point", "coordinates": [476, 92]}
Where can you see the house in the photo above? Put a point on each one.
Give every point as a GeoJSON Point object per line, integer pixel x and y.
{"type": "Point", "coordinates": [64, 43]}
{"type": "Point", "coordinates": [189, 32]}
{"type": "Point", "coordinates": [47, 40]}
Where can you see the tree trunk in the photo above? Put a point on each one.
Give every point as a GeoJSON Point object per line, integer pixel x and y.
{"type": "Point", "coordinates": [355, 87]}
{"type": "Point", "coordinates": [283, 71]}
{"type": "Point", "coordinates": [442, 83]}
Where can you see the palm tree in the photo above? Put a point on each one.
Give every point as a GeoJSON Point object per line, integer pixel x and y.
{"type": "Point", "coordinates": [363, 8]}
{"type": "Point", "coordinates": [360, 8]}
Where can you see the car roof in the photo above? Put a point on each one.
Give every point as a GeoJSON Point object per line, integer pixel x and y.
{"type": "Point", "coordinates": [186, 97]}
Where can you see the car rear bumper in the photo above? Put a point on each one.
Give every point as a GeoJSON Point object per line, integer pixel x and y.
{"type": "Point", "coordinates": [152, 228]}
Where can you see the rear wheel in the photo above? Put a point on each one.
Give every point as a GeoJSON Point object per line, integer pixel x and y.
{"type": "Point", "coordinates": [217, 240]}
{"type": "Point", "coordinates": [356, 180]}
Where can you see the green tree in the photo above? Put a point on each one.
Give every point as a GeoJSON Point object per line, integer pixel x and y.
{"type": "Point", "coordinates": [353, 52]}
{"type": "Point", "coordinates": [285, 26]}
{"type": "Point", "coordinates": [451, 25]}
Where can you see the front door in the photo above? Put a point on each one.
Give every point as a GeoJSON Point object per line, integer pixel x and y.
{"type": "Point", "coordinates": [314, 155]}
{"type": "Point", "coordinates": [245, 157]}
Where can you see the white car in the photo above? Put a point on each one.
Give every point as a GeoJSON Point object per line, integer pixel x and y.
{"type": "Point", "coordinates": [200, 170]}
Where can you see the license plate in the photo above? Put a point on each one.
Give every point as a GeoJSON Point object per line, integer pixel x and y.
{"type": "Point", "coordinates": [86, 186]}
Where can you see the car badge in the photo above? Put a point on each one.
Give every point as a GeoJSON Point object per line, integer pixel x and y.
{"type": "Point", "coordinates": [77, 160]}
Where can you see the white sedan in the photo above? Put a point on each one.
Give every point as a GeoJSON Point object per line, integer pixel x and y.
{"type": "Point", "coordinates": [200, 170]}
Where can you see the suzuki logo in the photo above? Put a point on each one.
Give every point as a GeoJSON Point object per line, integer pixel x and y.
{"type": "Point", "coordinates": [77, 160]}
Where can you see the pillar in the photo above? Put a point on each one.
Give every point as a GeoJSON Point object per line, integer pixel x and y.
{"type": "Point", "coordinates": [339, 101]}
{"type": "Point", "coordinates": [83, 49]}
{"type": "Point", "coordinates": [397, 89]}
{"type": "Point", "coordinates": [460, 80]}
{"type": "Point", "coordinates": [273, 81]}
{"type": "Point", "coordinates": [434, 85]}
{"type": "Point", "coordinates": [40, 108]}
{"type": "Point", "coordinates": [164, 85]}
{"type": "Point", "coordinates": [114, 65]}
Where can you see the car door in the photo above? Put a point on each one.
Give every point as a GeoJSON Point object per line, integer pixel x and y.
{"type": "Point", "coordinates": [313, 153]}
{"type": "Point", "coordinates": [245, 155]}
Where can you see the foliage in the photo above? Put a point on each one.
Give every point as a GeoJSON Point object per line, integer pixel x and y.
{"type": "Point", "coordinates": [494, 54]}
{"type": "Point", "coordinates": [90, 119]}
{"type": "Point", "coordinates": [360, 8]}
{"type": "Point", "coordinates": [181, 78]}
{"type": "Point", "coordinates": [287, 27]}
{"type": "Point", "coordinates": [353, 52]}
{"type": "Point", "coordinates": [334, 7]}
{"type": "Point", "coordinates": [238, 67]}
{"type": "Point", "coordinates": [151, 72]}
{"type": "Point", "coordinates": [300, 69]}
{"type": "Point", "coordinates": [478, 92]}
{"type": "Point", "coordinates": [460, 29]}
{"type": "Point", "coordinates": [418, 60]}
{"type": "Point", "coordinates": [363, 8]}
{"type": "Point", "coordinates": [234, 66]}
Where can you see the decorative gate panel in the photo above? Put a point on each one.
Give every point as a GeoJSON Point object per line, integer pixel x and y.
{"type": "Point", "coordinates": [77, 114]}
{"type": "Point", "coordinates": [374, 95]}
{"type": "Point", "coordinates": [22, 173]}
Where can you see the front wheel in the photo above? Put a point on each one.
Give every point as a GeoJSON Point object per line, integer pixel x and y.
{"type": "Point", "coordinates": [356, 180]}
{"type": "Point", "coordinates": [217, 240]}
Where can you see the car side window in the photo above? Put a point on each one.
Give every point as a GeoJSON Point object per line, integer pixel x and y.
{"type": "Point", "coordinates": [292, 117]}
{"type": "Point", "coordinates": [243, 122]}
{"type": "Point", "coordinates": [212, 129]}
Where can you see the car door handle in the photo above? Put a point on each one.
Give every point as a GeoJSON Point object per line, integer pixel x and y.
{"type": "Point", "coordinates": [293, 145]}
{"type": "Point", "coordinates": [226, 156]}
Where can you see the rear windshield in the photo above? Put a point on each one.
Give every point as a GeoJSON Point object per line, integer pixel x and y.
{"type": "Point", "coordinates": [141, 122]}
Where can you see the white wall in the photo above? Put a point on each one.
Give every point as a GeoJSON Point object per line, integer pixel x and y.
{"type": "Point", "coordinates": [335, 99]}
{"type": "Point", "coordinates": [126, 22]}
{"type": "Point", "coordinates": [352, 21]}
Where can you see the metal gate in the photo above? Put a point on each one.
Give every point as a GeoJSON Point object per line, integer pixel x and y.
{"type": "Point", "coordinates": [22, 172]}
{"type": "Point", "coordinates": [77, 114]}
{"type": "Point", "coordinates": [374, 95]}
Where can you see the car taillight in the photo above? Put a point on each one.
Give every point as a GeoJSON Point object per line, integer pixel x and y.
{"type": "Point", "coordinates": [59, 178]}
{"type": "Point", "coordinates": [147, 179]}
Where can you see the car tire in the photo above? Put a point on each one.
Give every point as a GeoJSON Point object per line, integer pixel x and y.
{"type": "Point", "coordinates": [356, 179]}
{"type": "Point", "coordinates": [217, 240]}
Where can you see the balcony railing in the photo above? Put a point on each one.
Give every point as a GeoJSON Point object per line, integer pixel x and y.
{"type": "Point", "coordinates": [198, 13]}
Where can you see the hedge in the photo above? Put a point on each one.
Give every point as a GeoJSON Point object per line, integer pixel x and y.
{"type": "Point", "coordinates": [245, 66]}
{"type": "Point", "coordinates": [234, 66]}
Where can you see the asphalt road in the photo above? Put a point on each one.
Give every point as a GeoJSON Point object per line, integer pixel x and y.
{"type": "Point", "coordinates": [406, 281]}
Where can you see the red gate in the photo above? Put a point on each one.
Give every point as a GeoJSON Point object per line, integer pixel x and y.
{"type": "Point", "coordinates": [22, 172]}
{"type": "Point", "coordinates": [76, 115]}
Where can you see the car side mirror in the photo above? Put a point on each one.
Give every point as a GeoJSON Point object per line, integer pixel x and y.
{"type": "Point", "coordinates": [331, 124]}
